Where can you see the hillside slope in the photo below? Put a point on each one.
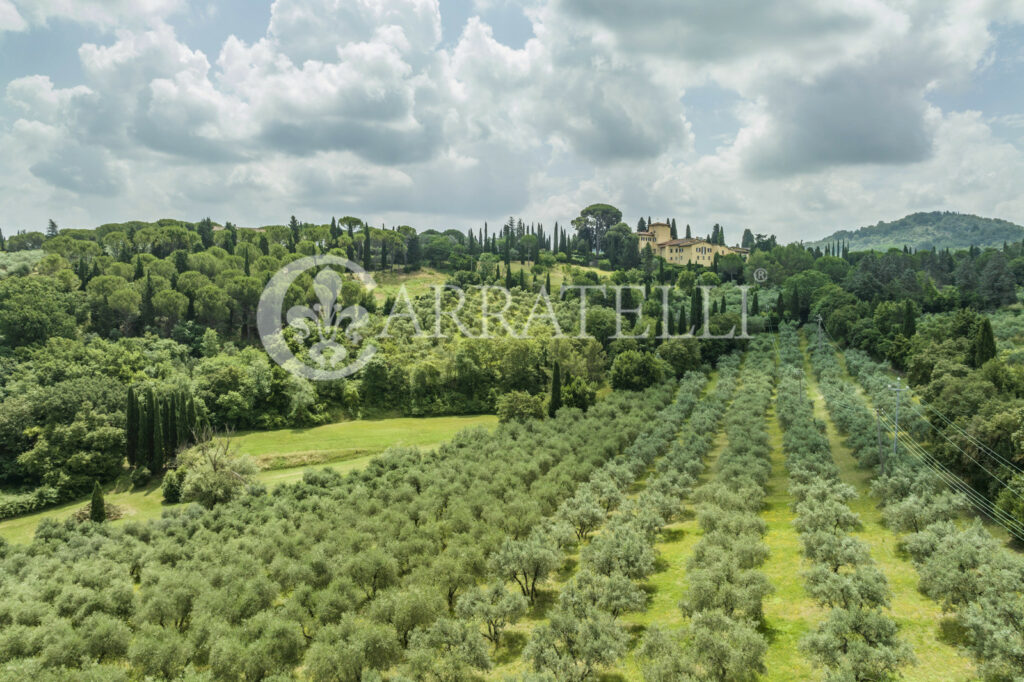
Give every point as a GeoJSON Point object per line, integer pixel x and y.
{"type": "Point", "coordinates": [941, 229]}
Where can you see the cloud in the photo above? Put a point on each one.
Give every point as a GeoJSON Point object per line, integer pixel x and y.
{"type": "Point", "coordinates": [82, 170]}
{"type": "Point", "coordinates": [854, 115]}
{"type": "Point", "coordinates": [102, 13]}
{"type": "Point", "coordinates": [315, 29]}
{"type": "Point", "coordinates": [10, 19]}
{"type": "Point", "coordinates": [357, 107]}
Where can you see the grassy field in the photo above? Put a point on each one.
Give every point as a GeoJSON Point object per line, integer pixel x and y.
{"type": "Point", "coordinates": [923, 625]}
{"type": "Point", "coordinates": [352, 444]}
{"type": "Point", "coordinates": [344, 440]}
{"type": "Point", "coordinates": [416, 283]}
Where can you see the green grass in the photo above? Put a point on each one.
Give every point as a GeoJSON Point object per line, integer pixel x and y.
{"type": "Point", "coordinates": [417, 283]}
{"type": "Point", "coordinates": [370, 438]}
{"type": "Point", "coordinates": [789, 613]}
{"type": "Point", "coordinates": [344, 440]}
{"type": "Point", "coordinates": [922, 623]}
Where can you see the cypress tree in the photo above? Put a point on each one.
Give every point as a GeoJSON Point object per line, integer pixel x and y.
{"type": "Point", "coordinates": [547, 283]}
{"type": "Point", "coordinates": [556, 390]}
{"type": "Point", "coordinates": [682, 326]}
{"type": "Point", "coordinates": [909, 319]}
{"type": "Point", "coordinates": [697, 308]}
{"type": "Point", "coordinates": [147, 431]}
{"type": "Point", "coordinates": [138, 270]}
{"type": "Point", "coordinates": [755, 307]}
{"type": "Point", "coordinates": [172, 420]}
{"type": "Point", "coordinates": [985, 345]}
{"type": "Point", "coordinates": [131, 428]}
{"type": "Point", "coordinates": [97, 508]}
{"type": "Point", "coordinates": [721, 308]}
{"type": "Point", "coordinates": [714, 308]}
{"type": "Point", "coordinates": [156, 434]}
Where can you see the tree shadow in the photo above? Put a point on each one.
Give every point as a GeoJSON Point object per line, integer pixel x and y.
{"type": "Point", "coordinates": [511, 649]}
{"type": "Point", "coordinates": [951, 632]}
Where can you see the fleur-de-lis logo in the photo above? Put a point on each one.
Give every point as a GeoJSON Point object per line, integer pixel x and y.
{"type": "Point", "coordinates": [328, 322]}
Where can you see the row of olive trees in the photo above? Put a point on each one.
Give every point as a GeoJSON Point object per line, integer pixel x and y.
{"type": "Point", "coordinates": [726, 589]}
{"type": "Point", "coordinates": [858, 640]}
{"type": "Point", "coordinates": [583, 634]}
{"type": "Point", "coordinates": [343, 576]}
{"type": "Point", "coordinates": [964, 568]}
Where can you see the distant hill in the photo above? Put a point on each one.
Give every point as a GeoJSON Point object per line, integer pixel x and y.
{"type": "Point", "coordinates": [941, 229]}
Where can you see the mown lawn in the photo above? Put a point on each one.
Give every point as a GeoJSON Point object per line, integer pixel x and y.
{"type": "Point", "coordinates": [344, 440]}
{"type": "Point", "coordinates": [347, 446]}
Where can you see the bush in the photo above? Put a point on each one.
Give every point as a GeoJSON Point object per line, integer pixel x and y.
{"type": "Point", "coordinates": [519, 406]}
{"type": "Point", "coordinates": [140, 477]}
{"type": "Point", "coordinates": [171, 486]}
{"type": "Point", "coordinates": [635, 371]}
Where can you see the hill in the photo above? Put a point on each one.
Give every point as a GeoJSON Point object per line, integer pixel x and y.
{"type": "Point", "coordinates": [941, 229]}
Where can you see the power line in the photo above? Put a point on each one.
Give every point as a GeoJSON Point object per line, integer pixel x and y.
{"type": "Point", "coordinates": [971, 438]}
{"type": "Point", "coordinates": [970, 495]}
{"type": "Point", "coordinates": [980, 465]}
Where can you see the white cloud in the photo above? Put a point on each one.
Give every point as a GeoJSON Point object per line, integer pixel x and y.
{"type": "Point", "coordinates": [355, 107]}
{"type": "Point", "coordinates": [102, 13]}
{"type": "Point", "coordinates": [10, 19]}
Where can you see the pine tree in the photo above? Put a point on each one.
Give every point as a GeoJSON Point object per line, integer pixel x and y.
{"type": "Point", "coordinates": [51, 229]}
{"type": "Point", "coordinates": [131, 429]}
{"type": "Point", "coordinates": [985, 345]}
{"type": "Point", "coordinates": [97, 508]}
{"type": "Point", "coordinates": [556, 390]}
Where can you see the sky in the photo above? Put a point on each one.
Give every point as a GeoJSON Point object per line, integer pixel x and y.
{"type": "Point", "coordinates": [796, 118]}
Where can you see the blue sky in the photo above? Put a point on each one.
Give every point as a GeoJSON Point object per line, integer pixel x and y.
{"type": "Point", "coordinates": [796, 118]}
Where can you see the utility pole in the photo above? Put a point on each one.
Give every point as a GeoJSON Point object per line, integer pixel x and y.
{"type": "Point", "coordinates": [898, 388]}
{"type": "Point", "coordinates": [881, 450]}
{"type": "Point", "coordinates": [818, 318]}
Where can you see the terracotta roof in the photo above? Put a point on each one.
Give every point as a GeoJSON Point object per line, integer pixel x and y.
{"type": "Point", "coordinates": [686, 241]}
